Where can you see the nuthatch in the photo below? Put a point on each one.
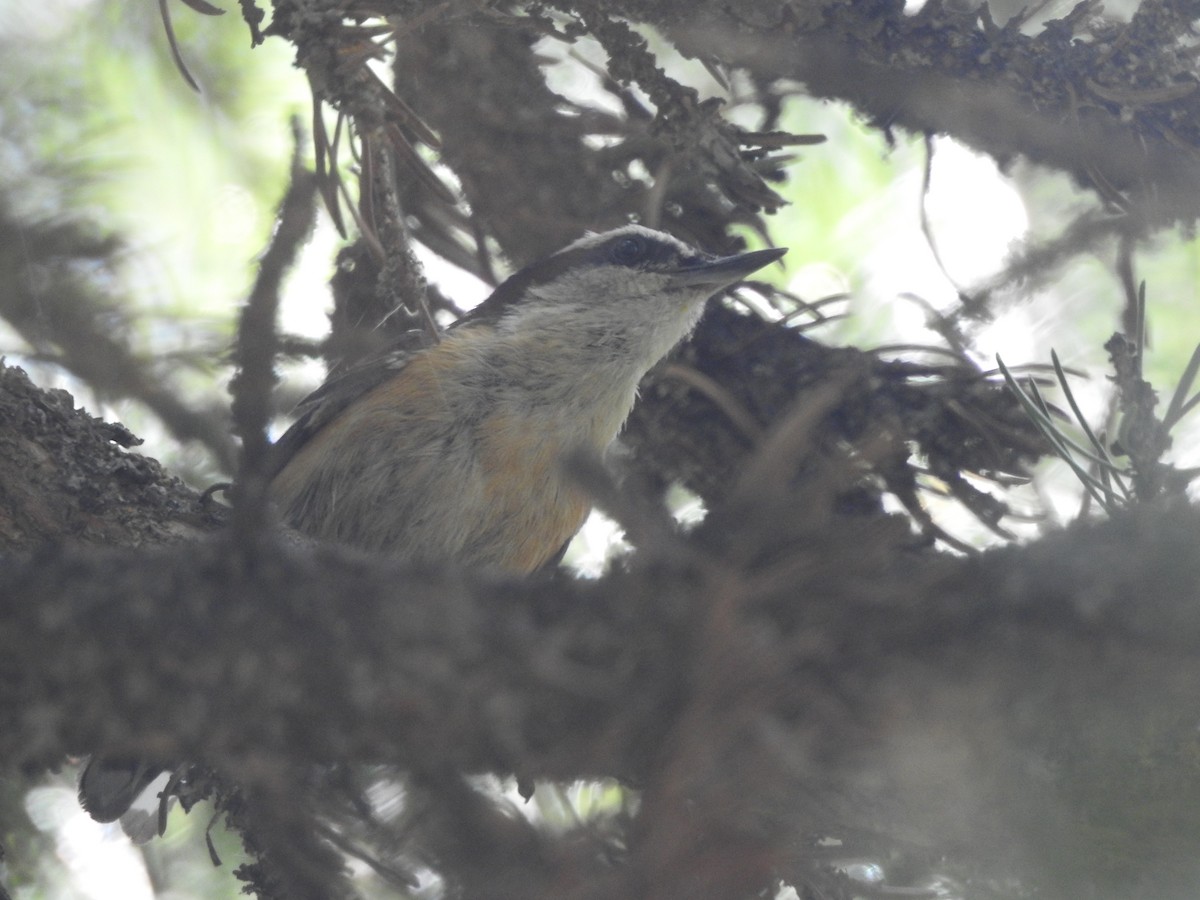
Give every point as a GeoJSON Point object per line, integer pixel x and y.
{"type": "Point", "coordinates": [453, 451]}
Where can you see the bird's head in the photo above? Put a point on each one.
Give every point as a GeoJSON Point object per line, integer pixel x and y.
{"type": "Point", "coordinates": [631, 287]}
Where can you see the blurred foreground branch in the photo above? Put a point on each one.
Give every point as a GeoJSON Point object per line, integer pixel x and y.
{"type": "Point", "coordinates": [786, 673]}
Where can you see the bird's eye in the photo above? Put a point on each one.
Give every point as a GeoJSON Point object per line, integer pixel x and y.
{"type": "Point", "coordinates": [629, 250]}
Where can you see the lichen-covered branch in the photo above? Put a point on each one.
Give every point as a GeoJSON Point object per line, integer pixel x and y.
{"type": "Point", "coordinates": [787, 672]}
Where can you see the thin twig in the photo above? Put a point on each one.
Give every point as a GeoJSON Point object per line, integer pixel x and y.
{"type": "Point", "coordinates": [256, 344]}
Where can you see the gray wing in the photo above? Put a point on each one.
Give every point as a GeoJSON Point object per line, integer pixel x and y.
{"type": "Point", "coordinates": [324, 404]}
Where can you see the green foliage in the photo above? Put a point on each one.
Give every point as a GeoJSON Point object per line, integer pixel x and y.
{"type": "Point", "coordinates": [103, 128]}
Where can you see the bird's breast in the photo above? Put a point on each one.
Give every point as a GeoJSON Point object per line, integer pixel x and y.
{"type": "Point", "coordinates": [530, 507]}
{"type": "Point", "coordinates": [424, 467]}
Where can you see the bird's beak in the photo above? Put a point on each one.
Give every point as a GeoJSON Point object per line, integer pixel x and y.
{"type": "Point", "coordinates": [721, 271]}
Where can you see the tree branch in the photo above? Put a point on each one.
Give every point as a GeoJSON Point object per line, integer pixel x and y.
{"type": "Point", "coordinates": [787, 671]}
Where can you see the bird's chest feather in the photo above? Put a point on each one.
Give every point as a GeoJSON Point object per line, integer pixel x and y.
{"type": "Point", "coordinates": [453, 459]}
{"type": "Point", "coordinates": [530, 509]}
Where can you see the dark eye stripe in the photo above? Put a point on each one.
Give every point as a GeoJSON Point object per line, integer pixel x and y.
{"type": "Point", "coordinates": [629, 250]}
{"type": "Point", "coordinates": [651, 254]}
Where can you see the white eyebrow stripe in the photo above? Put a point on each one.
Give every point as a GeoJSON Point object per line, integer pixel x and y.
{"type": "Point", "coordinates": [594, 239]}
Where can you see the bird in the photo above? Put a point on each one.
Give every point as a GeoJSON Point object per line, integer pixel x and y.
{"type": "Point", "coordinates": [452, 449]}
{"type": "Point", "coordinates": [454, 452]}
